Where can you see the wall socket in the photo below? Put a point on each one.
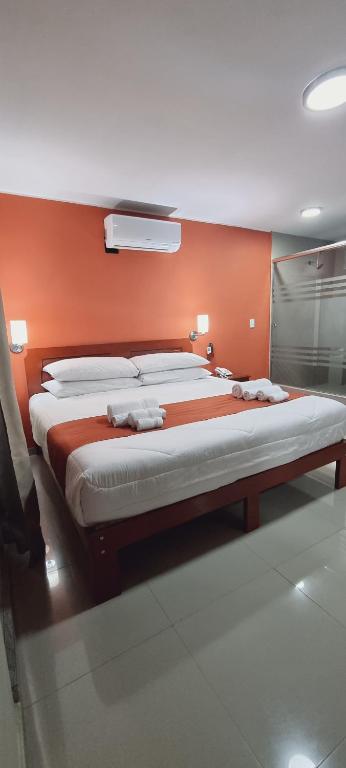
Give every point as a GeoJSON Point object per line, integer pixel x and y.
{"type": "Point", "coordinates": [252, 323]}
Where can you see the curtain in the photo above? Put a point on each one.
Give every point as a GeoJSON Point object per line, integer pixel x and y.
{"type": "Point", "coordinates": [19, 511]}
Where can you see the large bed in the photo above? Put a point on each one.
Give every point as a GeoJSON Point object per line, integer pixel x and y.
{"type": "Point", "coordinates": [121, 490]}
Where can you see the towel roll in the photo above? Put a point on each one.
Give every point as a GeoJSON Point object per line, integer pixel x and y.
{"type": "Point", "coordinates": [161, 412]}
{"type": "Point", "coordinates": [250, 390]}
{"type": "Point", "coordinates": [136, 413]}
{"type": "Point", "coordinates": [145, 413]}
{"type": "Point", "coordinates": [264, 392]}
{"type": "Point", "coordinates": [120, 420]}
{"type": "Point", "coordinates": [240, 387]}
{"type": "Point", "coordinates": [273, 394]}
{"type": "Point", "coordinates": [148, 423]}
{"type": "Point", "coordinates": [115, 408]}
{"type": "Point", "coordinates": [278, 397]}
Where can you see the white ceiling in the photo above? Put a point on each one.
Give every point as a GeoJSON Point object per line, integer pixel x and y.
{"type": "Point", "coordinates": [189, 103]}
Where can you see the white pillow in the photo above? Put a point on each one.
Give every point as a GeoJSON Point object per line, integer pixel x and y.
{"type": "Point", "coordinates": [91, 368]}
{"type": "Point", "coordinates": [73, 388]}
{"type": "Point", "coordinates": [167, 361]}
{"type": "Point", "coordinates": [181, 374]}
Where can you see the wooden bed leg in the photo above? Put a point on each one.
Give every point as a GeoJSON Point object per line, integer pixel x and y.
{"type": "Point", "coordinates": [106, 578]}
{"type": "Point", "coordinates": [340, 473]}
{"type": "Point", "coordinates": [251, 513]}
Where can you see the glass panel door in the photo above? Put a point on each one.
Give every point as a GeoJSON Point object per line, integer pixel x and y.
{"type": "Point", "coordinates": [309, 321]}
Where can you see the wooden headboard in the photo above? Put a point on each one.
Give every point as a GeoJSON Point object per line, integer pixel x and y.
{"type": "Point", "coordinates": [36, 359]}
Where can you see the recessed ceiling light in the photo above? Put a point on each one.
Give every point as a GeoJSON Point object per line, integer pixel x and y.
{"type": "Point", "coordinates": [326, 91]}
{"type": "Point", "coordinates": [310, 213]}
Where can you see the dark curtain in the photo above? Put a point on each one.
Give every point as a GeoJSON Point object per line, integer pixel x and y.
{"type": "Point", "coordinates": [17, 524]}
{"type": "Point", "coordinates": [19, 510]}
{"type": "Point", "coordinates": [13, 526]}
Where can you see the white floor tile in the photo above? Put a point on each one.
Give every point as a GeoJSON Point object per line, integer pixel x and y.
{"type": "Point", "coordinates": [119, 688]}
{"type": "Point", "coordinates": [191, 586]}
{"type": "Point", "coordinates": [320, 572]}
{"type": "Point", "coordinates": [320, 485]}
{"type": "Point", "coordinates": [284, 537]}
{"type": "Point", "coordinates": [279, 664]}
{"type": "Point", "coordinates": [324, 474]}
{"type": "Point", "coordinates": [149, 708]}
{"type": "Point", "coordinates": [337, 759]}
{"type": "Point", "coordinates": [52, 657]}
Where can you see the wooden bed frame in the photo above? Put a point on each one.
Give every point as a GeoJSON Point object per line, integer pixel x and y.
{"type": "Point", "coordinates": [102, 542]}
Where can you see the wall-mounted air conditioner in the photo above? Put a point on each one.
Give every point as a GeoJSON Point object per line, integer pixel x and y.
{"type": "Point", "coordinates": [137, 233]}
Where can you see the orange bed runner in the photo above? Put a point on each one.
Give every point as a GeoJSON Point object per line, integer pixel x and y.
{"type": "Point", "coordinates": [64, 438]}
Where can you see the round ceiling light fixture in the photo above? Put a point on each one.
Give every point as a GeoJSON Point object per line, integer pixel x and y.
{"type": "Point", "coordinates": [310, 213]}
{"type": "Point", "coordinates": [326, 91]}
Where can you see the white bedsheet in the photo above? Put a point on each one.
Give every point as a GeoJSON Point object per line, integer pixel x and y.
{"type": "Point", "coordinates": [114, 479]}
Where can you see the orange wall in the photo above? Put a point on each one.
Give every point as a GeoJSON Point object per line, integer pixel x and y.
{"type": "Point", "coordinates": [55, 274]}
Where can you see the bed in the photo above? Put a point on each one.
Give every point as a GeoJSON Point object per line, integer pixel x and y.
{"type": "Point", "coordinates": [121, 490]}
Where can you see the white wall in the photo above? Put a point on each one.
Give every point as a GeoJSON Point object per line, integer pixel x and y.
{"type": "Point", "coordinates": [11, 754]}
{"type": "Point", "coordinates": [283, 245]}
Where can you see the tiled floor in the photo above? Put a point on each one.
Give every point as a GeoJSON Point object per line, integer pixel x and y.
{"type": "Point", "coordinates": [224, 650]}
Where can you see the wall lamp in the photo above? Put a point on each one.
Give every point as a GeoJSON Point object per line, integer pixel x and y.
{"type": "Point", "coordinates": [202, 327]}
{"type": "Point", "coordinates": [19, 335]}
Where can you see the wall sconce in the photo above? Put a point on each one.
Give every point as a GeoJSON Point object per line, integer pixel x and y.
{"type": "Point", "coordinates": [202, 327]}
{"type": "Point", "coordinates": [19, 335]}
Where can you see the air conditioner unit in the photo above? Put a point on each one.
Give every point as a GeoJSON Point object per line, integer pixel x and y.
{"type": "Point", "coordinates": [137, 233]}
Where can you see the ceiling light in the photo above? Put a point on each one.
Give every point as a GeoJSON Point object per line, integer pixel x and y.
{"type": "Point", "coordinates": [310, 213]}
{"type": "Point", "coordinates": [326, 91]}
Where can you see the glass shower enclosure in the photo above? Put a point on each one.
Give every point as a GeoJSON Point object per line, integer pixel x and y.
{"type": "Point", "coordinates": [308, 334]}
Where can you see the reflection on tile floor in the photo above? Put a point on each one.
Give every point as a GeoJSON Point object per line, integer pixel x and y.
{"type": "Point", "coordinates": [224, 650]}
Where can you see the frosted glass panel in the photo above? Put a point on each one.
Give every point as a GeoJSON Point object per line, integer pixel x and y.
{"type": "Point", "coordinates": [309, 321]}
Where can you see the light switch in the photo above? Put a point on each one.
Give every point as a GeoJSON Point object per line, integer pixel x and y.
{"type": "Point", "coordinates": [252, 323]}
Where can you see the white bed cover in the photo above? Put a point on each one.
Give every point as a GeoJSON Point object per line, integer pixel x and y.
{"type": "Point", "coordinates": [119, 478]}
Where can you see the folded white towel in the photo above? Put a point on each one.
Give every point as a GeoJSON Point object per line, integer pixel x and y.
{"type": "Point", "coordinates": [130, 405]}
{"type": "Point", "coordinates": [240, 387]}
{"type": "Point", "coordinates": [274, 394]}
{"type": "Point", "coordinates": [148, 423]}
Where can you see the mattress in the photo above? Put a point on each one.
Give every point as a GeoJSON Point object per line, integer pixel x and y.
{"type": "Point", "coordinates": [116, 479]}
